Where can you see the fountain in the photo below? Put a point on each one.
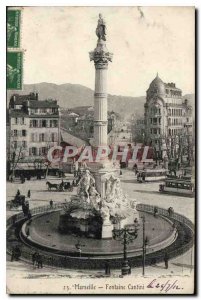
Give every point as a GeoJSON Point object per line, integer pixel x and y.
{"type": "Point", "coordinates": [100, 204]}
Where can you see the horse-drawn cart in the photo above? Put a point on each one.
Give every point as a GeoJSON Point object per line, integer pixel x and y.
{"type": "Point", "coordinates": [60, 186]}
{"type": "Point", "coordinates": [16, 202]}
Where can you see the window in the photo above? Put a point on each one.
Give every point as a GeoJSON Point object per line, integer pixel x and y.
{"type": "Point", "coordinates": [34, 151]}
{"type": "Point", "coordinates": [155, 131]}
{"type": "Point", "coordinates": [24, 132]}
{"type": "Point", "coordinates": [43, 150]}
{"type": "Point", "coordinates": [42, 137]}
{"type": "Point", "coordinates": [44, 123]}
{"type": "Point", "coordinates": [151, 120]}
{"type": "Point", "coordinates": [15, 132]}
{"type": "Point", "coordinates": [15, 144]}
{"type": "Point", "coordinates": [154, 121]}
{"type": "Point", "coordinates": [35, 123]}
{"type": "Point", "coordinates": [16, 120]}
{"type": "Point", "coordinates": [33, 137]}
{"type": "Point", "coordinates": [54, 137]}
{"type": "Point", "coordinates": [55, 123]}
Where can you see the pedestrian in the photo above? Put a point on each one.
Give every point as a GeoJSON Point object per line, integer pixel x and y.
{"type": "Point", "coordinates": [22, 178]}
{"type": "Point", "coordinates": [18, 193]}
{"type": "Point", "coordinates": [107, 268]}
{"type": "Point", "coordinates": [170, 211]}
{"type": "Point", "coordinates": [155, 211]}
{"type": "Point", "coordinates": [17, 253]}
{"type": "Point", "coordinates": [51, 203]}
{"type": "Point", "coordinates": [166, 259]}
{"type": "Point", "coordinates": [29, 215]}
{"type": "Point", "coordinates": [25, 209]}
{"type": "Point", "coordinates": [39, 261]}
{"type": "Point", "coordinates": [34, 257]}
{"type": "Point", "coordinates": [29, 194]}
{"type": "Point", "coordinates": [135, 168]}
{"type": "Point", "coordinates": [13, 254]}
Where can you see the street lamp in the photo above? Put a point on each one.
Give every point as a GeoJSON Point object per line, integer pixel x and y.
{"type": "Point", "coordinates": [126, 235]}
{"type": "Point", "coordinates": [145, 243]}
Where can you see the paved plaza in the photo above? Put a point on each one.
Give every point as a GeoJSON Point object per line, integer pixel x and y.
{"type": "Point", "coordinates": [146, 193]}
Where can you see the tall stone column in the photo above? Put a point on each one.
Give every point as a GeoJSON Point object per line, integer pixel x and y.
{"type": "Point", "coordinates": [101, 56]}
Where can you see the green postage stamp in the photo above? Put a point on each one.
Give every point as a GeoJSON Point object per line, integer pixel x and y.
{"type": "Point", "coordinates": [14, 70]}
{"type": "Point", "coordinates": [13, 28]}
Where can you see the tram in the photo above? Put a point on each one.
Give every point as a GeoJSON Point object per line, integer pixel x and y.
{"type": "Point", "coordinates": [149, 175]}
{"type": "Point", "coordinates": [179, 186]}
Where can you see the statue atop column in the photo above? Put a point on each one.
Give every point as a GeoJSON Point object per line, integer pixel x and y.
{"type": "Point", "coordinates": [101, 56]}
{"type": "Point", "coordinates": [101, 29]}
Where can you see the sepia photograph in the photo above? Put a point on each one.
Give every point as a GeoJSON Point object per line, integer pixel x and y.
{"type": "Point", "coordinates": [100, 150]}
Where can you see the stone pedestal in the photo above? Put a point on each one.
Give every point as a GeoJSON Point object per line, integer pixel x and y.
{"type": "Point", "coordinates": [107, 228]}
{"type": "Point", "coordinates": [101, 175]}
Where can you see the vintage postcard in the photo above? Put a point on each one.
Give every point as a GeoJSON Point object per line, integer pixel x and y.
{"type": "Point", "coordinates": [101, 150]}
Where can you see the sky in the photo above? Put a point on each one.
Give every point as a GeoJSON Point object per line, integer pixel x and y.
{"type": "Point", "coordinates": [144, 41]}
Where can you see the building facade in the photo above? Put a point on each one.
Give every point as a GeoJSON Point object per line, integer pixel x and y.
{"type": "Point", "coordinates": [166, 114]}
{"type": "Point", "coordinates": [33, 127]}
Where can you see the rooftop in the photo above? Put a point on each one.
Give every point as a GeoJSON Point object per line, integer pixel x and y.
{"type": "Point", "coordinates": [42, 103]}
{"type": "Point", "coordinates": [18, 113]}
{"type": "Point", "coordinates": [71, 139]}
{"type": "Point", "coordinates": [21, 114]}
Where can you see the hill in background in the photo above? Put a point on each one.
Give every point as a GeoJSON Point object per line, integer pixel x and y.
{"type": "Point", "coordinates": [73, 95]}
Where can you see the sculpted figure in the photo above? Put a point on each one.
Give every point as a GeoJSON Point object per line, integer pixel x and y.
{"type": "Point", "coordinates": [101, 29]}
{"type": "Point", "coordinates": [85, 183]}
{"type": "Point", "coordinates": [94, 197]}
{"type": "Point", "coordinates": [105, 213]}
{"type": "Point", "coordinates": [108, 188]}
